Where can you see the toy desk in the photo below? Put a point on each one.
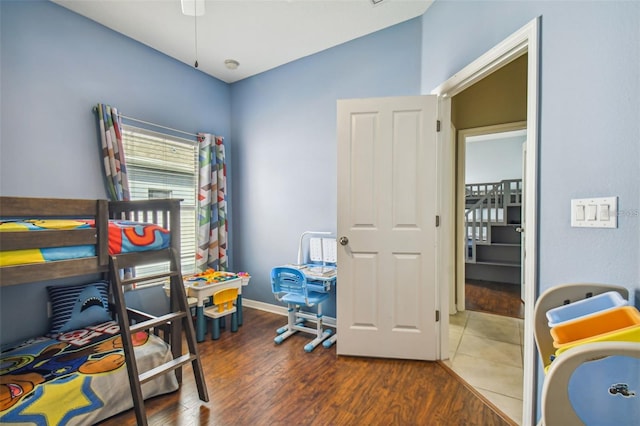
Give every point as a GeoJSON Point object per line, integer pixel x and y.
{"type": "Point", "coordinates": [202, 290]}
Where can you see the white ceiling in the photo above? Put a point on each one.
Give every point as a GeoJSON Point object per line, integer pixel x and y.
{"type": "Point", "coordinates": [259, 34]}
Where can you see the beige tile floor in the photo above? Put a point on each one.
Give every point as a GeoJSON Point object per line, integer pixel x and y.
{"type": "Point", "coordinates": [486, 351]}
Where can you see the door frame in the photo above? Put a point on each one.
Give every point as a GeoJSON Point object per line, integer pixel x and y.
{"type": "Point", "coordinates": [461, 158]}
{"type": "Point", "coordinates": [524, 40]}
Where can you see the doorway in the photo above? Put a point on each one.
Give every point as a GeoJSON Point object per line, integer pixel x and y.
{"type": "Point", "coordinates": [524, 41]}
{"type": "Point", "coordinates": [488, 326]}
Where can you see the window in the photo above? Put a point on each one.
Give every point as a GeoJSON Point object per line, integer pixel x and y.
{"type": "Point", "coordinates": [159, 194]}
{"type": "Point", "coordinates": [165, 166]}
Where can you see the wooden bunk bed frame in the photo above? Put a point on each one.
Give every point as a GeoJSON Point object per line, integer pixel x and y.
{"type": "Point", "coordinates": [17, 207]}
{"type": "Point", "coordinates": [165, 213]}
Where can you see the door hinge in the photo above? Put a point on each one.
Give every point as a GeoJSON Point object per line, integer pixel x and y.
{"type": "Point", "coordinates": [437, 316]}
{"type": "Point", "coordinates": [437, 125]}
{"type": "Point", "coordinates": [437, 221]}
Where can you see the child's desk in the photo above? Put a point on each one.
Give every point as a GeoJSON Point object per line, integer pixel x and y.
{"type": "Point", "coordinates": [320, 278]}
{"type": "Point", "coordinates": [202, 290]}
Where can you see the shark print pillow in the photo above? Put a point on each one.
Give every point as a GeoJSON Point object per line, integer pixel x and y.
{"type": "Point", "coordinates": [78, 306]}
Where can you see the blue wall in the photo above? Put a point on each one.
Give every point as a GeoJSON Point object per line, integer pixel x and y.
{"type": "Point", "coordinates": [55, 65]}
{"type": "Point", "coordinates": [589, 120]}
{"type": "Point", "coordinates": [284, 131]}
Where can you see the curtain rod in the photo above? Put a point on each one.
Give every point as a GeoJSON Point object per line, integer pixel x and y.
{"type": "Point", "coordinates": [157, 125]}
{"type": "Point", "coordinates": [95, 109]}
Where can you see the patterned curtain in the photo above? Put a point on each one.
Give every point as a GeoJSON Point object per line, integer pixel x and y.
{"type": "Point", "coordinates": [212, 204]}
{"type": "Point", "coordinates": [115, 169]}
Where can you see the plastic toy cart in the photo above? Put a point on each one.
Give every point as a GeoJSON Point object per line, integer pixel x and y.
{"type": "Point", "coordinates": [593, 378]}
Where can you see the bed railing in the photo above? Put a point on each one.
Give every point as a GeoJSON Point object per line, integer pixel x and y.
{"type": "Point", "coordinates": [163, 212]}
{"type": "Point", "coordinates": [54, 208]}
{"type": "Point", "coordinates": [492, 198]}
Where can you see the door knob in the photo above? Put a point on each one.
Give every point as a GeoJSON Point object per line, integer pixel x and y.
{"type": "Point", "coordinates": [519, 229]}
{"type": "Point", "coordinates": [343, 241]}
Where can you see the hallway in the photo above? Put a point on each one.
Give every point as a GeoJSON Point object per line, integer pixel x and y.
{"type": "Point", "coordinates": [486, 351]}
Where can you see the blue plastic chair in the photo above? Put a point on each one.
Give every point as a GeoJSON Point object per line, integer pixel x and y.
{"type": "Point", "coordinates": [289, 285]}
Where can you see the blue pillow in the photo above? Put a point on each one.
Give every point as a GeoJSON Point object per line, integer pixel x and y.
{"type": "Point", "coordinates": [78, 306]}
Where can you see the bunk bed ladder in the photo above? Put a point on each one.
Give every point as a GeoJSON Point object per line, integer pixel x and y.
{"type": "Point", "coordinates": [174, 322]}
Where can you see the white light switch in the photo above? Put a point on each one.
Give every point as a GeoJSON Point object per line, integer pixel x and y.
{"type": "Point", "coordinates": [595, 212]}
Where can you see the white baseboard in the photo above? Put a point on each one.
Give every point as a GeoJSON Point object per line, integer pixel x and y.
{"type": "Point", "coordinates": [279, 310]}
{"type": "Point", "coordinates": [267, 307]}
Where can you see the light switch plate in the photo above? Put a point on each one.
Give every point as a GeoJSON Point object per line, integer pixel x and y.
{"type": "Point", "coordinates": [593, 212]}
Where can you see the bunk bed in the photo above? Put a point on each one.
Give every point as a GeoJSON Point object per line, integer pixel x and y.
{"type": "Point", "coordinates": [82, 364]}
{"type": "Point", "coordinates": [492, 225]}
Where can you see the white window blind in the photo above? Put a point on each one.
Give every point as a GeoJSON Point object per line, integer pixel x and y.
{"type": "Point", "coordinates": [165, 166]}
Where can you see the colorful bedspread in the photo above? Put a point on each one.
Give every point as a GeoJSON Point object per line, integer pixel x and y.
{"type": "Point", "coordinates": [78, 378]}
{"type": "Point", "coordinates": [124, 237]}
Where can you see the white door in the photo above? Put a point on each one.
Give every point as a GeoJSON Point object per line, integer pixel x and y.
{"type": "Point", "coordinates": [386, 288]}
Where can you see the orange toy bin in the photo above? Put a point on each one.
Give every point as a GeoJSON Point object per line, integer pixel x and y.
{"type": "Point", "coordinates": [582, 330]}
{"type": "Point", "coordinates": [627, 334]}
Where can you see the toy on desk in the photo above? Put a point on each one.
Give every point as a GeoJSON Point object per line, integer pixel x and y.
{"type": "Point", "coordinates": [245, 277]}
{"type": "Point", "coordinates": [211, 276]}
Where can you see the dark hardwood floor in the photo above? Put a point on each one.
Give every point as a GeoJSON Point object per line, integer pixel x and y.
{"type": "Point", "coordinates": [494, 298]}
{"type": "Point", "coordinates": [252, 381]}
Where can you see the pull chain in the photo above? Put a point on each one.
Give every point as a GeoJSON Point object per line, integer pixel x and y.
{"type": "Point", "coordinates": [195, 32]}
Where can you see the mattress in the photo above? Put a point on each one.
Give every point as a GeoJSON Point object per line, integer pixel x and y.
{"type": "Point", "coordinates": [80, 377]}
{"type": "Point", "coordinates": [124, 237]}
